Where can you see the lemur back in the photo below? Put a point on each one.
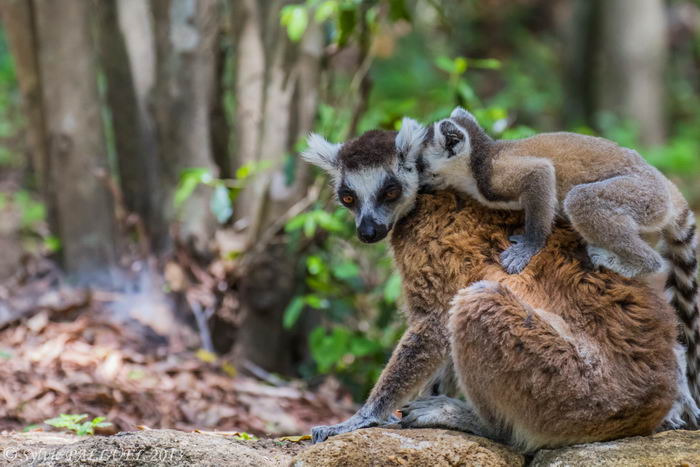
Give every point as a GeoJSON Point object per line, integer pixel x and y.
{"type": "Point", "coordinates": [614, 199]}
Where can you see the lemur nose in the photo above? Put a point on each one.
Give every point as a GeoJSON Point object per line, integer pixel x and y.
{"type": "Point", "coordinates": [369, 231]}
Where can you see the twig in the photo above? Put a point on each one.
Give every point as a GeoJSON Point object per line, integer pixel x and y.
{"type": "Point", "coordinates": [201, 317]}
{"type": "Point", "coordinates": [263, 374]}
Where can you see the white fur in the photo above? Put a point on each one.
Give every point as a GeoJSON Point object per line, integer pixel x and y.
{"type": "Point", "coordinates": [410, 138]}
{"type": "Point", "coordinates": [322, 153]}
{"type": "Point", "coordinates": [684, 402]}
{"type": "Point", "coordinates": [460, 112]}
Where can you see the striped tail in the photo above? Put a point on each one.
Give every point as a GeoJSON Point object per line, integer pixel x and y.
{"type": "Point", "coordinates": [680, 243]}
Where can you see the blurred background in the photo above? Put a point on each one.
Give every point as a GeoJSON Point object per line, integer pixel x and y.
{"type": "Point", "coordinates": [168, 261]}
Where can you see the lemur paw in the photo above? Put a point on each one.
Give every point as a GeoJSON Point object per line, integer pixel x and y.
{"type": "Point", "coordinates": [517, 256]}
{"type": "Point", "coordinates": [600, 257]}
{"type": "Point", "coordinates": [322, 433]}
{"type": "Point", "coordinates": [439, 412]}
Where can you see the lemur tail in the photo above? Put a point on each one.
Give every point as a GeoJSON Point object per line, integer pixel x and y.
{"type": "Point", "coordinates": [680, 244]}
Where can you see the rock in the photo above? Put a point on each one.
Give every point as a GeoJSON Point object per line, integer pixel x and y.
{"type": "Point", "coordinates": [149, 447]}
{"type": "Point", "coordinates": [670, 448]}
{"type": "Point", "coordinates": [419, 447]}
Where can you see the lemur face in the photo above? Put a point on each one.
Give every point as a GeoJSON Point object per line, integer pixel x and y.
{"type": "Point", "coordinates": [375, 176]}
{"type": "Point", "coordinates": [446, 145]}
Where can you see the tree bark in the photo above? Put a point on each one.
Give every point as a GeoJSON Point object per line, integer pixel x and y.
{"type": "Point", "coordinates": [18, 23]}
{"type": "Point", "coordinates": [134, 136]}
{"type": "Point", "coordinates": [185, 32]}
{"type": "Point", "coordinates": [276, 100]}
{"type": "Point", "coordinates": [633, 59]}
{"type": "Point", "coordinates": [76, 143]}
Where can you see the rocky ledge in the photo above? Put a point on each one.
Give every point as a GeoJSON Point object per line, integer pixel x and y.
{"type": "Point", "coordinates": [370, 447]}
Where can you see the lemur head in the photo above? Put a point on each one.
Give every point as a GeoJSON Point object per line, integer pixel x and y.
{"type": "Point", "coordinates": [446, 143]}
{"type": "Point", "coordinates": [375, 175]}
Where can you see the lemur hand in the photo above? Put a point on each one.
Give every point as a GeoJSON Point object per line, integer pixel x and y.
{"type": "Point", "coordinates": [322, 433]}
{"type": "Point", "coordinates": [518, 255]}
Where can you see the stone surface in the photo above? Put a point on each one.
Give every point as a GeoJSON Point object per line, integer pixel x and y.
{"type": "Point", "coordinates": [419, 447]}
{"type": "Point", "coordinates": [369, 447]}
{"type": "Point", "coordinates": [149, 447]}
{"type": "Point", "coordinates": [667, 449]}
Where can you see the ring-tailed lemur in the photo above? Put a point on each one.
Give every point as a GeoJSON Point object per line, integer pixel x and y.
{"type": "Point", "coordinates": [610, 194]}
{"type": "Point", "coordinates": [510, 331]}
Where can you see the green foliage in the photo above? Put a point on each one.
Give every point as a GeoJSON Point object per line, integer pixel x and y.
{"type": "Point", "coordinates": [223, 191]}
{"type": "Point", "coordinates": [75, 423]}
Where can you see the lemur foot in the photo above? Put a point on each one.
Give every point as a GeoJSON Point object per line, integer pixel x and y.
{"type": "Point", "coordinates": [441, 412]}
{"type": "Point", "coordinates": [518, 255]}
{"type": "Point", "coordinates": [322, 433]}
{"type": "Point", "coordinates": [600, 257]}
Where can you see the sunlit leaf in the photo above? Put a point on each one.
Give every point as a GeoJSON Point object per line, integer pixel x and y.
{"type": "Point", "coordinates": [295, 439]}
{"type": "Point", "coordinates": [445, 64]}
{"type": "Point", "coordinates": [205, 356]}
{"type": "Point", "coordinates": [220, 204]}
{"type": "Point", "coordinates": [292, 312]}
{"type": "Point", "coordinates": [296, 19]}
{"type": "Point", "coordinates": [486, 63]}
{"type": "Point", "coordinates": [325, 10]}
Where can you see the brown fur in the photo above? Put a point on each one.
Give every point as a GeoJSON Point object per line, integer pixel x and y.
{"type": "Point", "coordinates": [373, 148]}
{"type": "Point", "coordinates": [605, 370]}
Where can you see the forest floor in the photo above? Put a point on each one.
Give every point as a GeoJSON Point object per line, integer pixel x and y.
{"type": "Point", "coordinates": [66, 353]}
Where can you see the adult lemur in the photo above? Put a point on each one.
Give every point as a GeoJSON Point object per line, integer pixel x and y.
{"type": "Point", "coordinates": [558, 354]}
{"type": "Point", "coordinates": [611, 196]}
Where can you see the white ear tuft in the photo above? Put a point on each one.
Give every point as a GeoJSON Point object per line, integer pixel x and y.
{"type": "Point", "coordinates": [321, 153]}
{"type": "Point", "coordinates": [410, 136]}
{"type": "Point", "coordinates": [460, 112]}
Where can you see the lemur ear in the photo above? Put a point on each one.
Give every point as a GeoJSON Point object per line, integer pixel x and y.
{"type": "Point", "coordinates": [410, 137]}
{"type": "Point", "coordinates": [460, 112]}
{"type": "Point", "coordinates": [321, 153]}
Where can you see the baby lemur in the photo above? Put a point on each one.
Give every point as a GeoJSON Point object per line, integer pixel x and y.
{"type": "Point", "coordinates": [613, 198]}
{"type": "Point", "coordinates": [609, 193]}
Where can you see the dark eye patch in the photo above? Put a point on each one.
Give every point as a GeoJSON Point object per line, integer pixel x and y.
{"type": "Point", "coordinates": [390, 184]}
{"type": "Point", "coordinates": [344, 192]}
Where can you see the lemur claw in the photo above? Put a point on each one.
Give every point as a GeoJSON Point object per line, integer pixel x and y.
{"type": "Point", "coordinates": [322, 433]}
{"type": "Point", "coordinates": [517, 256]}
{"type": "Point", "coordinates": [515, 239]}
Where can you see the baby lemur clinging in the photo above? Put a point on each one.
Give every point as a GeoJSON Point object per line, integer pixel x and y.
{"type": "Point", "coordinates": [609, 193]}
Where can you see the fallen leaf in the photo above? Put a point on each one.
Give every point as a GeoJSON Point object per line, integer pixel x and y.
{"type": "Point", "coordinates": [295, 439]}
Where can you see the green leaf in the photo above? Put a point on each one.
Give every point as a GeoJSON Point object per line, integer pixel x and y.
{"type": "Point", "coordinates": [398, 10]}
{"type": "Point", "coordinates": [328, 222]}
{"type": "Point", "coordinates": [325, 10]}
{"type": "Point", "coordinates": [487, 63]}
{"type": "Point", "coordinates": [460, 65]}
{"type": "Point", "coordinates": [52, 243]}
{"type": "Point", "coordinates": [220, 204]}
{"type": "Point", "coordinates": [296, 222]}
{"type": "Point", "coordinates": [392, 289]}
{"type": "Point", "coordinates": [346, 270]}
{"type": "Point", "coordinates": [292, 312]}
{"type": "Point", "coordinates": [445, 64]}
{"type": "Point", "coordinates": [315, 265]}
{"type": "Point", "coordinates": [347, 19]}
{"type": "Point", "coordinates": [189, 180]}
{"type": "Point", "coordinates": [310, 226]}
{"type": "Point", "coordinates": [316, 302]}
{"type": "Point", "coordinates": [296, 19]}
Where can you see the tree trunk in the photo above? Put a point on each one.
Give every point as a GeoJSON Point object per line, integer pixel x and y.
{"type": "Point", "coordinates": [276, 100]}
{"type": "Point", "coordinates": [185, 32]}
{"type": "Point", "coordinates": [76, 143]}
{"type": "Point", "coordinates": [18, 23]}
{"type": "Point", "coordinates": [134, 135]}
{"type": "Point", "coordinates": [633, 59]}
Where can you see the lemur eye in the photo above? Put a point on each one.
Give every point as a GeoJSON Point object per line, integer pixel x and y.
{"type": "Point", "coordinates": [392, 194]}
{"type": "Point", "coordinates": [347, 200]}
